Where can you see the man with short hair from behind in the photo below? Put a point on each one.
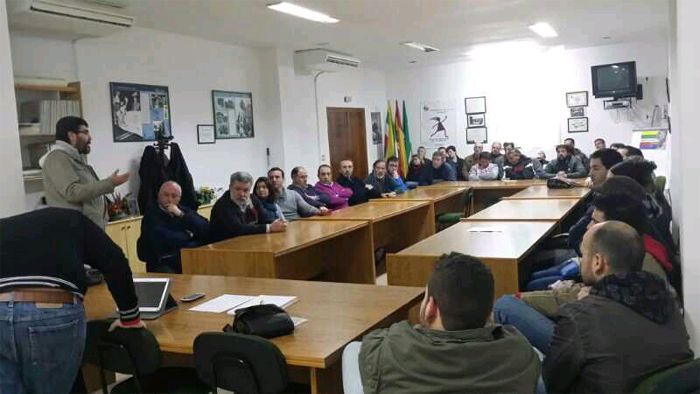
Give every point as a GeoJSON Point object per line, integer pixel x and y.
{"type": "Point", "coordinates": [168, 227]}
{"type": "Point", "coordinates": [379, 180]}
{"type": "Point", "coordinates": [566, 165]}
{"type": "Point", "coordinates": [599, 143]}
{"type": "Point", "coordinates": [292, 203]}
{"type": "Point", "coordinates": [309, 193]}
{"type": "Point", "coordinates": [234, 213]}
{"type": "Point", "coordinates": [627, 327]}
{"type": "Point", "coordinates": [69, 181]}
{"type": "Point", "coordinates": [629, 151]}
{"type": "Point", "coordinates": [455, 348]}
{"type": "Point", "coordinates": [338, 195]}
{"type": "Point", "coordinates": [361, 192]}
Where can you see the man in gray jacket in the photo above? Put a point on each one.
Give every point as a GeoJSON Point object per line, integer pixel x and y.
{"type": "Point", "coordinates": [455, 349]}
{"type": "Point", "coordinates": [292, 203]}
{"type": "Point", "coordinates": [69, 181]}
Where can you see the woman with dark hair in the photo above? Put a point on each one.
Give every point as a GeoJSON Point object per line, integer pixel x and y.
{"type": "Point", "coordinates": [264, 196]}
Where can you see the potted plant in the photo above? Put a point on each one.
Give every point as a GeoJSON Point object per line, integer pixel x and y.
{"type": "Point", "coordinates": [118, 207]}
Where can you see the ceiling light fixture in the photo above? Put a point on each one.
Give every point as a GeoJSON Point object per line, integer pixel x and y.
{"type": "Point", "coordinates": [420, 47]}
{"type": "Point", "coordinates": [544, 29]}
{"type": "Point", "coordinates": [301, 12]}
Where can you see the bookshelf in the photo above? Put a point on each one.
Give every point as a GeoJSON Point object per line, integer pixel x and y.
{"type": "Point", "coordinates": [34, 137]}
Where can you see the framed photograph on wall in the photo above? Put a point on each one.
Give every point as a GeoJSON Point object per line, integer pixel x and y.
{"type": "Point", "coordinates": [477, 134]}
{"type": "Point", "coordinates": [476, 120]}
{"type": "Point", "coordinates": [376, 127]}
{"type": "Point", "coordinates": [577, 99]}
{"type": "Point", "coordinates": [578, 125]}
{"type": "Point", "coordinates": [206, 134]}
{"type": "Point", "coordinates": [577, 112]}
{"type": "Point", "coordinates": [139, 112]}
{"type": "Point", "coordinates": [233, 114]}
{"type": "Point", "coordinates": [475, 105]}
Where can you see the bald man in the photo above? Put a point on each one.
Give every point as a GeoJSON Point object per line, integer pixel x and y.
{"type": "Point", "coordinates": [626, 326]}
{"type": "Point", "coordinates": [168, 227]}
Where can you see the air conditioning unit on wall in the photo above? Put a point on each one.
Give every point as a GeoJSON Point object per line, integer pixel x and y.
{"type": "Point", "coordinates": [312, 60]}
{"type": "Point", "coordinates": [71, 17]}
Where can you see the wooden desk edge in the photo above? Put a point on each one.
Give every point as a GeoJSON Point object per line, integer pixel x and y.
{"type": "Point", "coordinates": [421, 204]}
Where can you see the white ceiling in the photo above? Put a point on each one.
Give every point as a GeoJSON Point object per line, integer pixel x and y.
{"type": "Point", "coordinates": [372, 29]}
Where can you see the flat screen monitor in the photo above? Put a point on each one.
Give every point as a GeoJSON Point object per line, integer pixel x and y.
{"type": "Point", "coordinates": [614, 80]}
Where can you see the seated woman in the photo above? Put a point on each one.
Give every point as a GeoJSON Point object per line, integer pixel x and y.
{"type": "Point", "coordinates": [265, 196]}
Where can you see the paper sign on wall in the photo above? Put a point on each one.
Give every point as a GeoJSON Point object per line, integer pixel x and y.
{"type": "Point", "coordinates": [438, 126]}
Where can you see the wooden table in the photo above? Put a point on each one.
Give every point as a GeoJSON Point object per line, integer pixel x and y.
{"type": "Point", "coordinates": [487, 193]}
{"type": "Point", "coordinates": [337, 251]}
{"type": "Point", "coordinates": [543, 192]}
{"type": "Point", "coordinates": [337, 314]}
{"type": "Point", "coordinates": [502, 248]}
{"type": "Point", "coordinates": [394, 225]}
{"type": "Point", "coordinates": [447, 199]}
{"type": "Point", "coordinates": [527, 210]}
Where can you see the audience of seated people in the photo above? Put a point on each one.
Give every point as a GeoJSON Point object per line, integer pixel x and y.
{"type": "Point", "coordinates": [379, 181]}
{"type": "Point", "coordinates": [168, 227]}
{"type": "Point", "coordinates": [338, 195]}
{"type": "Point", "coordinates": [472, 159]}
{"type": "Point", "coordinates": [566, 165]}
{"type": "Point", "coordinates": [310, 194]}
{"type": "Point", "coordinates": [264, 197]}
{"type": "Point", "coordinates": [484, 169]}
{"type": "Point", "coordinates": [577, 152]}
{"type": "Point", "coordinates": [454, 349]}
{"type": "Point", "coordinates": [236, 213]}
{"type": "Point", "coordinates": [392, 168]}
{"type": "Point", "coordinates": [292, 203]}
{"type": "Point", "coordinates": [361, 192]}
{"type": "Point", "coordinates": [624, 324]}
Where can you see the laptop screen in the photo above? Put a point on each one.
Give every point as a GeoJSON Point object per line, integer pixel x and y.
{"type": "Point", "coordinates": [151, 292]}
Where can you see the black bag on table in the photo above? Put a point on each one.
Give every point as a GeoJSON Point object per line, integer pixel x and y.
{"type": "Point", "coordinates": [267, 321]}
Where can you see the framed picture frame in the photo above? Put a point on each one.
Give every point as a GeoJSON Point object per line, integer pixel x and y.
{"type": "Point", "coordinates": [233, 114]}
{"type": "Point", "coordinates": [577, 99]}
{"type": "Point", "coordinates": [577, 112]}
{"type": "Point", "coordinates": [376, 127]}
{"type": "Point", "coordinates": [476, 120]}
{"type": "Point", "coordinates": [477, 134]}
{"type": "Point", "coordinates": [206, 134]}
{"type": "Point", "coordinates": [139, 112]}
{"type": "Point", "coordinates": [475, 105]}
{"type": "Point", "coordinates": [578, 125]}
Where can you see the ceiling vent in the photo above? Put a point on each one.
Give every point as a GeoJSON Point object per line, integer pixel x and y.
{"type": "Point", "coordinates": [74, 17]}
{"type": "Point", "coordinates": [312, 60]}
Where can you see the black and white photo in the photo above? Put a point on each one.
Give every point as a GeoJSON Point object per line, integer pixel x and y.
{"type": "Point", "coordinates": [233, 114]}
{"type": "Point", "coordinates": [476, 120]}
{"type": "Point", "coordinates": [376, 127]}
{"type": "Point", "coordinates": [578, 125]}
{"type": "Point", "coordinates": [139, 112]}
{"type": "Point", "coordinates": [577, 112]}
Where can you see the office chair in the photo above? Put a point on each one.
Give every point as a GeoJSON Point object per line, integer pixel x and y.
{"type": "Point", "coordinates": [681, 378]}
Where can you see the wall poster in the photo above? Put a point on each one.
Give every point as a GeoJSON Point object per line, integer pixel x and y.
{"type": "Point", "coordinates": [438, 126]}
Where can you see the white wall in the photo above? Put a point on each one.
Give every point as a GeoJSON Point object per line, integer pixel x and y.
{"type": "Point", "coordinates": [687, 102]}
{"type": "Point", "coordinates": [35, 56]}
{"type": "Point", "coordinates": [525, 94]}
{"type": "Point", "coordinates": [12, 191]}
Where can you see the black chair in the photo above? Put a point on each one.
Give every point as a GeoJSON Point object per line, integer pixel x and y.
{"type": "Point", "coordinates": [241, 363]}
{"type": "Point", "coordinates": [681, 378]}
{"type": "Point", "coordinates": [135, 352]}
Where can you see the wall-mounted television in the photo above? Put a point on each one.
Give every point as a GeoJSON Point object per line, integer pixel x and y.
{"type": "Point", "coordinates": [615, 80]}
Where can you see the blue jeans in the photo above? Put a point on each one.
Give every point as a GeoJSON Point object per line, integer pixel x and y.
{"type": "Point", "coordinates": [536, 327]}
{"type": "Point", "coordinates": [41, 349]}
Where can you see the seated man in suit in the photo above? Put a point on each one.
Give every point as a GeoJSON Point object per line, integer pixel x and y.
{"type": "Point", "coordinates": [168, 227]}
{"type": "Point", "coordinates": [338, 195]}
{"type": "Point", "coordinates": [361, 192]}
{"type": "Point", "coordinates": [454, 349]}
{"type": "Point", "coordinates": [309, 193]}
{"type": "Point", "coordinates": [379, 180]}
{"type": "Point", "coordinates": [566, 165]}
{"type": "Point", "coordinates": [234, 214]}
{"type": "Point", "coordinates": [627, 326]}
{"type": "Point", "coordinates": [292, 203]}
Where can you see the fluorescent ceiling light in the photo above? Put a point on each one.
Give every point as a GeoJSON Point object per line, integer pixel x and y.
{"type": "Point", "coordinates": [301, 12]}
{"type": "Point", "coordinates": [544, 29]}
{"type": "Point", "coordinates": [420, 47]}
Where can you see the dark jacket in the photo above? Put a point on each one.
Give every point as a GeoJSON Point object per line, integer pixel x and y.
{"type": "Point", "coordinates": [609, 341]}
{"type": "Point", "coordinates": [228, 221]}
{"type": "Point", "coordinates": [311, 195]}
{"type": "Point", "coordinates": [404, 359]}
{"type": "Point", "coordinates": [415, 173]}
{"type": "Point", "coordinates": [384, 185]}
{"type": "Point", "coordinates": [431, 174]}
{"type": "Point", "coordinates": [155, 169]}
{"type": "Point", "coordinates": [163, 235]}
{"type": "Point", "coordinates": [571, 166]}
{"type": "Point", "coordinates": [48, 247]}
{"type": "Point", "coordinates": [360, 193]}
{"type": "Point", "coordinates": [523, 169]}
{"type": "Point", "coordinates": [584, 159]}
{"type": "Point", "coordinates": [458, 167]}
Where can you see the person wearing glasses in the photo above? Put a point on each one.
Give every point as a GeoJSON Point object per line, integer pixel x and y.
{"type": "Point", "coordinates": [69, 181]}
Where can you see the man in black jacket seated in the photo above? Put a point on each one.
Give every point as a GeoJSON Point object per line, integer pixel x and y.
{"type": "Point", "coordinates": [625, 328]}
{"type": "Point", "coordinates": [168, 227]}
{"type": "Point", "coordinates": [360, 191]}
{"type": "Point", "coordinates": [234, 213]}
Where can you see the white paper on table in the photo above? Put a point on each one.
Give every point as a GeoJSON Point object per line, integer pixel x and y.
{"type": "Point", "coordinates": [298, 321]}
{"type": "Point", "coordinates": [280, 301]}
{"type": "Point", "coordinates": [222, 303]}
{"type": "Point", "coordinates": [486, 229]}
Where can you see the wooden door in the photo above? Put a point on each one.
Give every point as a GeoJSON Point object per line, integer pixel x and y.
{"type": "Point", "coordinates": [347, 138]}
{"type": "Point", "coordinates": [133, 232]}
